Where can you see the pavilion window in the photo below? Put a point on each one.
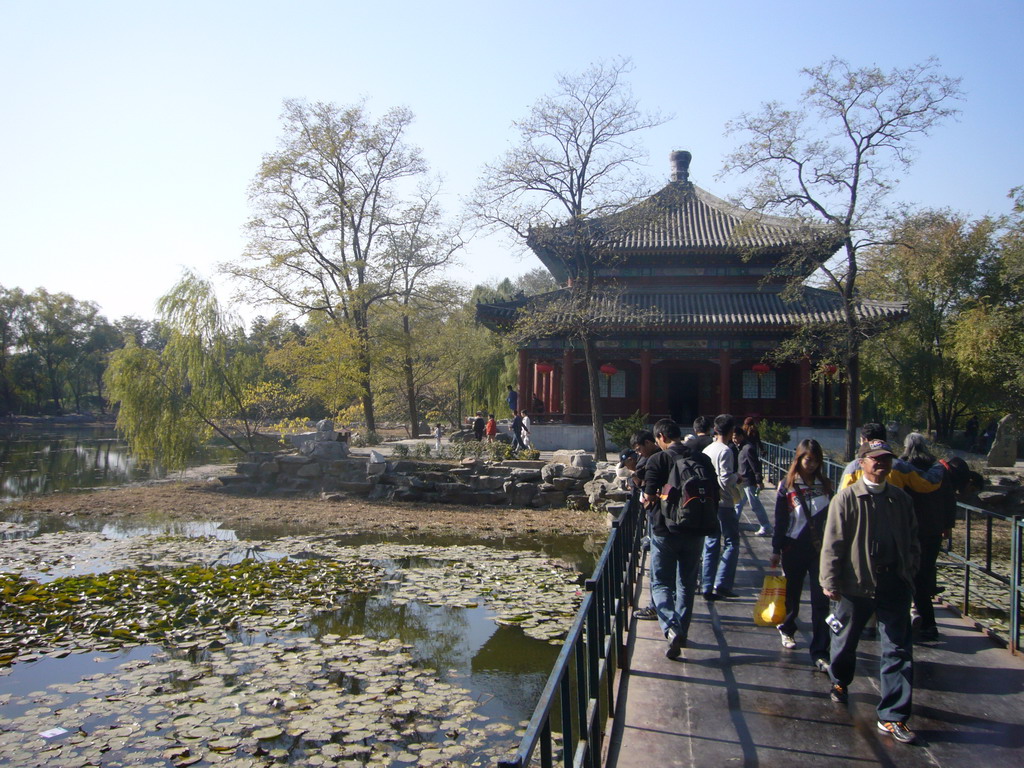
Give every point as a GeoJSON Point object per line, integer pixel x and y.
{"type": "Point", "coordinates": [759, 387]}
{"type": "Point", "coordinates": [612, 386]}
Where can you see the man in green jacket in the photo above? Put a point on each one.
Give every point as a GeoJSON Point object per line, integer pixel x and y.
{"type": "Point", "coordinates": [869, 556]}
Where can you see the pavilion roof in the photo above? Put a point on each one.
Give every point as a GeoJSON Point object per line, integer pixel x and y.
{"type": "Point", "coordinates": [697, 308]}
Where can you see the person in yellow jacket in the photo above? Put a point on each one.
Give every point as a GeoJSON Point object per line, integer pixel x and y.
{"type": "Point", "coordinates": [903, 474]}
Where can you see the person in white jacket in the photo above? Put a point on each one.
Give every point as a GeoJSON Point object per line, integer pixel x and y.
{"type": "Point", "coordinates": [722, 552]}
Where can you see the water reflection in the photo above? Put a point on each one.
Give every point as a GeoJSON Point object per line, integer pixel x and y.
{"type": "Point", "coordinates": [37, 462]}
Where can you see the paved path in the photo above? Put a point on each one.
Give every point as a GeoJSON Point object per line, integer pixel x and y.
{"type": "Point", "coordinates": [737, 698]}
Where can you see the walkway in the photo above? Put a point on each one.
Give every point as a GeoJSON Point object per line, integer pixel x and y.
{"type": "Point", "coordinates": [739, 699]}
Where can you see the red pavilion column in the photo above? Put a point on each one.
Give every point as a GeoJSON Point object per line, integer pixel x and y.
{"type": "Point", "coordinates": [645, 381]}
{"type": "Point", "coordinates": [524, 379]}
{"type": "Point", "coordinates": [554, 402]}
{"type": "Point", "coordinates": [805, 392]}
{"type": "Point", "coordinates": [567, 383]}
{"type": "Point", "coordinates": [724, 382]}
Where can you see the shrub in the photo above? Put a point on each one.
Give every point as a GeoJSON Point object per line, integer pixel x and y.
{"type": "Point", "coordinates": [620, 430]}
{"type": "Point", "coordinates": [773, 432]}
{"type": "Point", "coordinates": [400, 451]}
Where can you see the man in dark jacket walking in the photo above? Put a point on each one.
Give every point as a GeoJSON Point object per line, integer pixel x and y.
{"type": "Point", "coordinates": [675, 551]}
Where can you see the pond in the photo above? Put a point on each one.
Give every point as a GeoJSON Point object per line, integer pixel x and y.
{"type": "Point", "coordinates": [41, 459]}
{"type": "Point", "coordinates": [435, 654]}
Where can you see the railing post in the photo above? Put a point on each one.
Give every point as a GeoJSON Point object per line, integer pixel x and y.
{"type": "Point", "coordinates": [1015, 582]}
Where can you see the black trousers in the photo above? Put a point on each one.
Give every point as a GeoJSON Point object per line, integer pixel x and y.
{"type": "Point", "coordinates": [800, 562]}
{"type": "Point", "coordinates": [925, 587]}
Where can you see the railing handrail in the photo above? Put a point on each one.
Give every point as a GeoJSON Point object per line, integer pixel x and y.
{"type": "Point", "coordinates": [594, 648]}
{"type": "Point", "coordinates": [778, 460]}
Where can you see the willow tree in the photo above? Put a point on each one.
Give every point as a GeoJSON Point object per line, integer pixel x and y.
{"type": "Point", "coordinates": [835, 159]}
{"type": "Point", "coordinates": [575, 164]}
{"type": "Point", "coordinates": [323, 203]}
{"type": "Point", "coordinates": [171, 400]}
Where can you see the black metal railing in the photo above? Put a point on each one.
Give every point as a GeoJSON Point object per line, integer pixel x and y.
{"type": "Point", "coordinates": [986, 547]}
{"type": "Point", "coordinates": [580, 694]}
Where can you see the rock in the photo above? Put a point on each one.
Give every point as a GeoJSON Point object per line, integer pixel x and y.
{"type": "Point", "coordinates": [486, 483]}
{"type": "Point", "coordinates": [550, 471]}
{"type": "Point", "coordinates": [334, 497]}
{"type": "Point", "coordinates": [249, 468]}
{"type": "Point", "coordinates": [1004, 448]}
{"type": "Point", "coordinates": [469, 462]}
{"type": "Point", "coordinates": [461, 475]}
{"type": "Point", "coordinates": [521, 495]}
{"type": "Point", "coordinates": [325, 425]}
{"type": "Point", "coordinates": [523, 463]}
{"type": "Point", "coordinates": [578, 473]}
{"type": "Point", "coordinates": [361, 489]}
{"type": "Point", "coordinates": [376, 457]}
{"type": "Point", "coordinates": [526, 475]}
{"type": "Point", "coordinates": [567, 457]}
{"type": "Point", "coordinates": [269, 468]}
{"type": "Point", "coordinates": [375, 468]}
{"type": "Point", "coordinates": [309, 470]}
{"type": "Point", "coordinates": [564, 484]}
{"type": "Point", "coordinates": [329, 451]}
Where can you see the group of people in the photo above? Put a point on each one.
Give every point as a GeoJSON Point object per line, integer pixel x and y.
{"type": "Point", "coordinates": [487, 428]}
{"type": "Point", "coordinates": [867, 550]}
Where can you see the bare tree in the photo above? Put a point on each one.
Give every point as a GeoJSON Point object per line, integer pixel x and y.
{"type": "Point", "coordinates": [323, 203]}
{"type": "Point", "coordinates": [574, 166]}
{"type": "Point", "coordinates": [835, 159]}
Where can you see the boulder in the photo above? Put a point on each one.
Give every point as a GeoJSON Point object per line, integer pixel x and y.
{"type": "Point", "coordinates": [249, 468]}
{"type": "Point", "coordinates": [526, 475]}
{"type": "Point", "coordinates": [566, 484]}
{"type": "Point", "coordinates": [1004, 448]}
{"type": "Point", "coordinates": [568, 458]}
{"type": "Point", "coordinates": [521, 495]}
{"type": "Point", "coordinates": [309, 470]}
{"type": "Point", "coordinates": [329, 451]}
{"type": "Point", "coordinates": [375, 468]}
{"type": "Point", "coordinates": [268, 469]}
{"type": "Point", "coordinates": [550, 471]}
{"type": "Point", "coordinates": [577, 473]}
{"type": "Point", "coordinates": [486, 483]}
{"type": "Point", "coordinates": [376, 457]}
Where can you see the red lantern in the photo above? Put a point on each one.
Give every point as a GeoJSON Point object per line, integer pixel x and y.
{"type": "Point", "coordinates": [830, 370]}
{"type": "Point", "coordinates": [545, 367]}
{"type": "Point", "coordinates": [608, 370]}
{"type": "Point", "coordinates": [760, 368]}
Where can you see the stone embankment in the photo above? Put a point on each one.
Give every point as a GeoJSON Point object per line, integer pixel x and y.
{"type": "Point", "coordinates": [571, 478]}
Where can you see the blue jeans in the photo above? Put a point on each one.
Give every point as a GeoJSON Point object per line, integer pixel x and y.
{"type": "Point", "coordinates": [750, 494]}
{"type": "Point", "coordinates": [891, 604]}
{"type": "Point", "coordinates": [674, 562]}
{"type": "Point", "coordinates": [720, 572]}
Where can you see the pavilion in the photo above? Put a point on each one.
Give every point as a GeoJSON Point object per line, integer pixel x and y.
{"type": "Point", "coordinates": [701, 292]}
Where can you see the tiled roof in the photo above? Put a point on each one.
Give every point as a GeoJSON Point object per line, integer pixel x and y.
{"type": "Point", "coordinates": [682, 216]}
{"type": "Point", "coordinates": [696, 308]}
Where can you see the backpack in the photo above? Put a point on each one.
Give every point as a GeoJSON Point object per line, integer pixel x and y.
{"type": "Point", "coordinates": [689, 499]}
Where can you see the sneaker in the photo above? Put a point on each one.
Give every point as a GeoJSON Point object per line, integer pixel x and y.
{"type": "Point", "coordinates": [787, 640]}
{"type": "Point", "coordinates": [899, 731]}
{"type": "Point", "coordinates": [723, 592]}
{"type": "Point", "coordinates": [709, 595]}
{"type": "Point", "coordinates": [762, 531]}
{"type": "Point", "coordinates": [821, 665]}
{"type": "Point", "coordinates": [840, 695]}
{"type": "Point", "coordinates": [675, 645]}
{"type": "Point", "coordinates": [645, 614]}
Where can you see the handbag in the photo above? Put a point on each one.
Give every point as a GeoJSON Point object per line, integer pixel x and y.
{"type": "Point", "coordinates": [770, 609]}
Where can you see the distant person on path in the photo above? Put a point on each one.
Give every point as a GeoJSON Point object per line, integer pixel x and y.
{"type": "Point", "coordinates": [722, 552]}
{"type": "Point", "coordinates": [643, 446]}
{"type": "Point", "coordinates": [438, 434]}
{"type": "Point", "coordinates": [751, 477]}
{"type": "Point", "coordinates": [675, 549]}
{"type": "Point", "coordinates": [869, 557]}
{"type": "Point", "coordinates": [491, 429]}
{"type": "Point", "coordinates": [517, 432]}
{"type": "Point", "coordinates": [512, 399]}
{"type": "Point", "coordinates": [801, 507]}
{"type": "Point", "coordinates": [525, 440]}
{"type": "Point", "coordinates": [479, 425]}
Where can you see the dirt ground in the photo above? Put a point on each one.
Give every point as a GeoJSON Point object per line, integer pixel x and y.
{"type": "Point", "coordinates": [194, 499]}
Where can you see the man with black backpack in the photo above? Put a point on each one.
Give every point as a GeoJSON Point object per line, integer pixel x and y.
{"type": "Point", "coordinates": [681, 498]}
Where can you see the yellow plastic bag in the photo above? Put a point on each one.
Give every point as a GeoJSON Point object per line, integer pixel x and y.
{"type": "Point", "coordinates": [771, 604]}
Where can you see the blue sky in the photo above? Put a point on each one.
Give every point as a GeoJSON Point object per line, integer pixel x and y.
{"type": "Point", "coordinates": [131, 130]}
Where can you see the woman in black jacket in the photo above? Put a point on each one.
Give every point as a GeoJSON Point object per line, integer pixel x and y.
{"type": "Point", "coordinates": [800, 510]}
{"type": "Point", "coordinates": [936, 516]}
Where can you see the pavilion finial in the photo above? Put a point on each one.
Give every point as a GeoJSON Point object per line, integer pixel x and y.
{"type": "Point", "coordinates": [680, 165]}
